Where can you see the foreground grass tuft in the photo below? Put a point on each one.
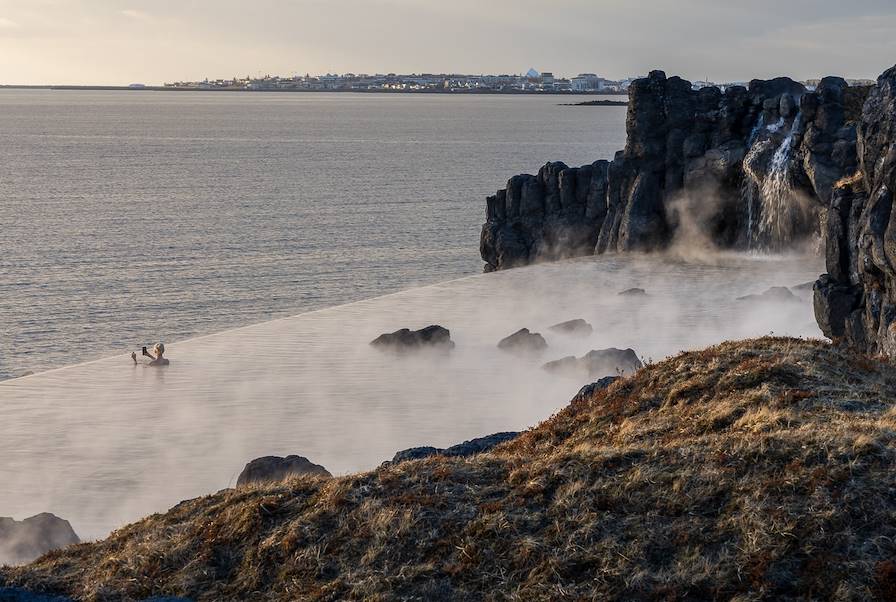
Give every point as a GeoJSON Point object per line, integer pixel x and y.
{"type": "Point", "coordinates": [760, 469]}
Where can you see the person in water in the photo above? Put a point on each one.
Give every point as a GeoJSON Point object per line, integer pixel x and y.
{"type": "Point", "coordinates": [158, 351]}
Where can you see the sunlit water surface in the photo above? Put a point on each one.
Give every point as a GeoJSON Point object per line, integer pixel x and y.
{"type": "Point", "coordinates": [107, 442]}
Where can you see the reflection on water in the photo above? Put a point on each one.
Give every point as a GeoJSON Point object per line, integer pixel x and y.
{"type": "Point", "coordinates": [104, 443]}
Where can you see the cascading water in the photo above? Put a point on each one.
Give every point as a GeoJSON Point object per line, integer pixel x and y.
{"type": "Point", "coordinates": [776, 193]}
{"type": "Point", "coordinates": [767, 188]}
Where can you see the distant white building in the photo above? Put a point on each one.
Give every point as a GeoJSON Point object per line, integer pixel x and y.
{"type": "Point", "coordinates": [587, 82]}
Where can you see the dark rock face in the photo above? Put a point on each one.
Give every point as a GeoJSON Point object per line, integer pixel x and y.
{"type": "Point", "coordinates": [407, 340]}
{"type": "Point", "coordinates": [745, 168]}
{"type": "Point", "coordinates": [855, 302]}
{"type": "Point", "coordinates": [588, 391]}
{"type": "Point", "coordinates": [462, 450]}
{"type": "Point", "coordinates": [273, 469]}
{"type": "Point", "coordinates": [597, 363]}
{"type": "Point", "coordinates": [577, 327]}
{"type": "Point", "coordinates": [523, 341]}
{"type": "Point", "coordinates": [23, 541]}
{"type": "Point", "coordinates": [8, 594]}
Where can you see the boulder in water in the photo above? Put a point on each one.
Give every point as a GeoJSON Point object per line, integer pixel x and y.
{"type": "Point", "coordinates": [273, 469]}
{"type": "Point", "coordinates": [461, 450]}
{"type": "Point", "coordinates": [597, 363]}
{"type": "Point", "coordinates": [23, 541]}
{"type": "Point", "coordinates": [523, 341]}
{"type": "Point", "coordinates": [776, 294]}
{"type": "Point", "coordinates": [633, 292]}
{"type": "Point", "coordinates": [578, 327]}
{"type": "Point", "coordinates": [434, 336]}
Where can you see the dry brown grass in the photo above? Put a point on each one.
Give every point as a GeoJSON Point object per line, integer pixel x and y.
{"type": "Point", "coordinates": [760, 469]}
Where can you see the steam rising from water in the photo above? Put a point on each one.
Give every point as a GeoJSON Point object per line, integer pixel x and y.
{"type": "Point", "coordinates": [105, 443]}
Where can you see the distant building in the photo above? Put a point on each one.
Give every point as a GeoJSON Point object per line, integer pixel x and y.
{"type": "Point", "coordinates": [587, 82]}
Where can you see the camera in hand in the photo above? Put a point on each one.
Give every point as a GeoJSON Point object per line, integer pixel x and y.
{"type": "Point", "coordinates": [145, 352]}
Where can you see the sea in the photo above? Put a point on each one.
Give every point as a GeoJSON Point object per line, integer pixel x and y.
{"type": "Point", "coordinates": [128, 217]}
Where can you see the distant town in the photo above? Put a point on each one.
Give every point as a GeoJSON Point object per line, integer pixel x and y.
{"type": "Point", "coordinates": [530, 82]}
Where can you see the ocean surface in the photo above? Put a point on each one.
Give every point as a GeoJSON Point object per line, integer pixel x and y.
{"type": "Point", "coordinates": [127, 218]}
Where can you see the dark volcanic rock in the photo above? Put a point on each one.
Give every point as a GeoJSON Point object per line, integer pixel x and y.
{"type": "Point", "coordinates": [8, 594]}
{"type": "Point", "coordinates": [597, 363]}
{"type": "Point", "coordinates": [273, 469]}
{"type": "Point", "coordinates": [589, 390]}
{"type": "Point", "coordinates": [23, 541]}
{"type": "Point", "coordinates": [700, 164]}
{"type": "Point", "coordinates": [463, 450]}
{"type": "Point", "coordinates": [633, 292]}
{"type": "Point", "coordinates": [855, 302]}
{"type": "Point", "coordinates": [578, 327]}
{"type": "Point", "coordinates": [776, 294]}
{"type": "Point", "coordinates": [406, 340]}
{"type": "Point", "coordinates": [523, 340]}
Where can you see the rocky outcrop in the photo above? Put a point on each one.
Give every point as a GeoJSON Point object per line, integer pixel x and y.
{"type": "Point", "coordinates": [273, 469]}
{"type": "Point", "coordinates": [597, 363]}
{"type": "Point", "coordinates": [523, 341]}
{"type": "Point", "coordinates": [588, 391]}
{"type": "Point", "coordinates": [461, 450]}
{"type": "Point", "coordinates": [407, 340]}
{"type": "Point", "coordinates": [855, 301]}
{"type": "Point", "coordinates": [750, 167]}
{"type": "Point", "coordinates": [23, 541]}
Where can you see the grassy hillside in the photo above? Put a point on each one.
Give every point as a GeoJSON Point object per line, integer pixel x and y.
{"type": "Point", "coordinates": [760, 469]}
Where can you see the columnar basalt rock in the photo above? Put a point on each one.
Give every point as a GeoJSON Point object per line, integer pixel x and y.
{"type": "Point", "coordinates": [855, 301]}
{"type": "Point", "coordinates": [750, 167]}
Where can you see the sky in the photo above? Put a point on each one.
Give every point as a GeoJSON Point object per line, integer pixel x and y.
{"type": "Point", "coordinates": [118, 42]}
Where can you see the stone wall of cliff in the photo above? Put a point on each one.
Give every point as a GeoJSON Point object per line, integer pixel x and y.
{"type": "Point", "coordinates": [855, 301]}
{"type": "Point", "coordinates": [753, 167]}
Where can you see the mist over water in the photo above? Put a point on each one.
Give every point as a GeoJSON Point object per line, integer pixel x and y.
{"type": "Point", "coordinates": [104, 443]}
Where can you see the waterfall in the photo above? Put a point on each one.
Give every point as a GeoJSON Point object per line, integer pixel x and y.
{"type": "Point", "coordinates": [767, 188]}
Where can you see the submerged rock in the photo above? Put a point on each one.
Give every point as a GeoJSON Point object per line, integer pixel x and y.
{"type": "Point", "coordinates": [578, 327]}
{"type": "Point", "coordinates": [776, 294]}
{"type": "Point", "coordinates": [523, 340]}
{"type": "Point", "coordinates": [461, 450]}
{"type": "Point", "coordinates": [273, 469]}
{"type": "Point", "coordinates": [597, 363]}
{"type": "Point", "coordinates": [23, 541]}
{"type": "Point", "coordinates": [434, 336]}
{"type": "Point", "coordinates": [633, 292]}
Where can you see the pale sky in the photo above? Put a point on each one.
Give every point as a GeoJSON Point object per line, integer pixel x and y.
{"type": "Point", "coordinates": [155, 41]}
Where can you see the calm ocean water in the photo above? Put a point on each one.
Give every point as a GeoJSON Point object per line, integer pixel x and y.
{"type": "Point", "coordinates": [133, 217]}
